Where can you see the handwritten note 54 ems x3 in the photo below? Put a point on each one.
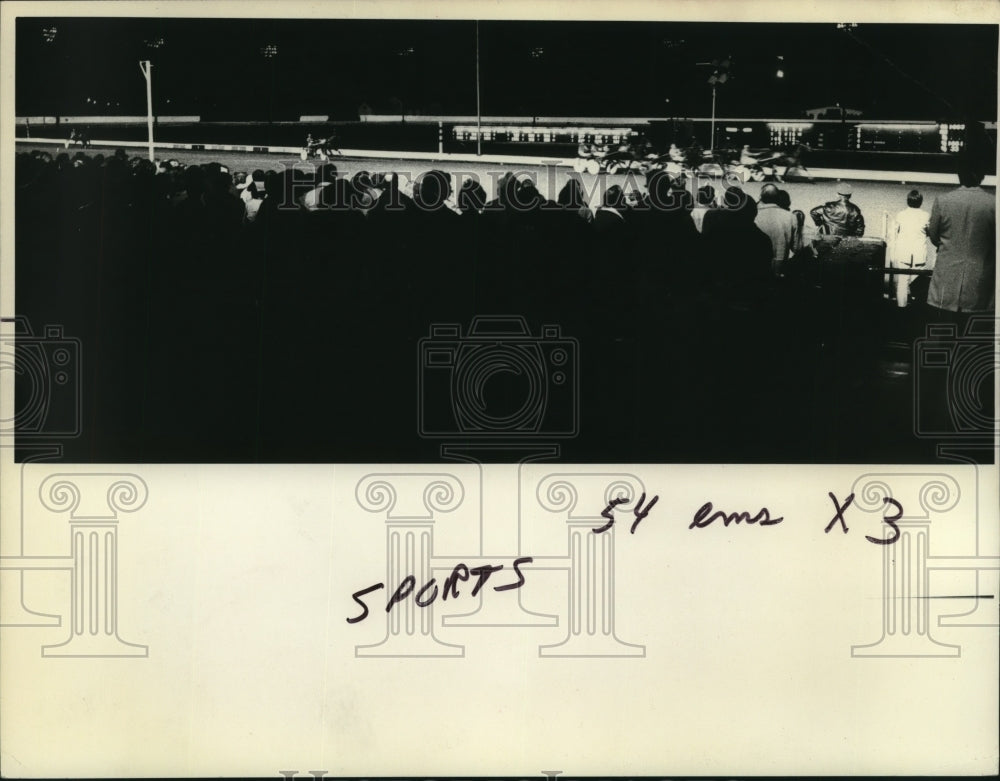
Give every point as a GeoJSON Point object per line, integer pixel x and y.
{"type": "Point", "coordinates": [703, 517]}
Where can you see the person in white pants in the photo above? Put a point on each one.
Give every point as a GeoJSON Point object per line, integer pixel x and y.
{"type": "Point", "coordinates": [909, 248]}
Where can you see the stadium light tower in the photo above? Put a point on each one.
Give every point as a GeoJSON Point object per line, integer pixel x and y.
{"type": "Point", "coordinates": [147, 71]}
{"type": "Point", "coordinates": [537, 55]}
{"type": "Point", "coordinates": [269, 52]}
{"type": "Point", "coordinates": [720, 75]}
{"type": "Point", "coordinates": [479, 109]}
{"type": "Point", "coordinates": [405, 58]}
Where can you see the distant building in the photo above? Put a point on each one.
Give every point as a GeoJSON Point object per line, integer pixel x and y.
{"type": "Point", "coordinates": [832, 112]}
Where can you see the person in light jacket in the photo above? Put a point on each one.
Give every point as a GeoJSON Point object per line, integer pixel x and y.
{"type": "Point", "coordinates": [909, 249]}
{"type": "Point", "coordinates": [963, 228]}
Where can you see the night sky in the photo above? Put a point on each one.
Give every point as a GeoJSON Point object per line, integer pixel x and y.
{"type": "Point", "coordinates": [218, 69]}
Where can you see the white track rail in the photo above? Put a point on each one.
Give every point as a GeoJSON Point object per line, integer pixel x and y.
{"type": "Point", "coordinates": [856, 174]}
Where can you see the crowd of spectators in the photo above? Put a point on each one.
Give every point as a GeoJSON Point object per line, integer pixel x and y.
{"type": "Point", "coordinates": [268, 314]}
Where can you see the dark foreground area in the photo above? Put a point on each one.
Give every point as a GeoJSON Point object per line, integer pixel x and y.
{"type": "Point", "coordinates": [346, 335]}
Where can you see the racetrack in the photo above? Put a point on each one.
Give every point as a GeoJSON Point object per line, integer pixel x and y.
{"type": "Point", "coordinates": [876, 199]}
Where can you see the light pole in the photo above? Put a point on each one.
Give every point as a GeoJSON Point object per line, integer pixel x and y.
{"type": "Point", "coordinates": [404, 55]}
{"type": "Point", "coordinates": [711, 137]}
{"type": "Point", "coordinates": [152, 45]}
{"type": "Point", "coordinates": [147, 71]}
{"type": "Point", "coordinates": [536, 54]}
{"type": "Point", "coordinates": [720, 75]}
{"type": "Point", "coordinates": [269, 52]}
{"type": "Point", "coordinates": [479, 111]}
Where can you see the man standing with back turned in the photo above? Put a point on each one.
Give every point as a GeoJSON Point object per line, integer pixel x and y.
{"type": "Point", "coordinates": [778, 224]}
{"type": "Point", "coordinates": [839, 217]}
{"type": "Point", "coordinates": [963, 228]}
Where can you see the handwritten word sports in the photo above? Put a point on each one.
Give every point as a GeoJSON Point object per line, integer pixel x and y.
{"type": "Point", "coordinates": [429, 591]}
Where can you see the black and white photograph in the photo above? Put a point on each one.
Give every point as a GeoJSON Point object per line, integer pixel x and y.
{"type": "Point", "coordinates": [537, 390]}
{"type": "Point", "coordinates": [342, 240]}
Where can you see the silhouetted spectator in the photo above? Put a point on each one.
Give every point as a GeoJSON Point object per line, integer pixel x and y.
{"type": "Point", "coordinates": [431, 193]}
{"type": "Point", "coordinates": [704, 202]}
{"type": "Point", "coordinates": [571, 199]}
{"type": "Point", "coordinates": [609, 220]}
{"type": "Point", "coordinates": [471, 198]}
{"type": "Point", "coordinates": [779, 225]}
{"type": "Point", "coordinates": [738, 252]}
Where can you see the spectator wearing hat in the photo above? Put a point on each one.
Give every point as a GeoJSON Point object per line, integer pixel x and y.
{"type": "Point", "coordinates": [257, 180]}
{"type": "Point", "coordinates": [253, 199]}
{"type": "Point", "coordinates": [241, 181]}
{"type": "Point", "coordinates": [840, 217]}
{"type": "Point", "coordinates": [779, 225]}
{"type": "Point", "coordinates": [963, 227]}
